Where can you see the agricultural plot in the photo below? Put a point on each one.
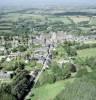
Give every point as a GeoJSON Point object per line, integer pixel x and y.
{"type": "Point", "coordinates": [6, 29]}
{"type": "Point", "coordinates": [10, 22]}
{"type": "Point", "coordinates": [92, 21]}
{"type": "Point", "coordinates": [90, 42]}
{"type": "Point", "coordinates": [87, 52]}
{"type": "Point", "coordinates": [84, 29]}
{"type": "Point", "coordinates": [13, 17]}
{"type": "Point", "coordinates": [66, 20]}
{"type": "Point", "coordinates": [10, 18]}
{"type": "Point", "coordinates": [6, 24]}
{"type": "Point", "coordinates": [78, 19]}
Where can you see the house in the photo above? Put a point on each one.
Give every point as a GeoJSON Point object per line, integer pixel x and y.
{"type": "Point", "coordinates": [2, 57]}
{"type": "Point", "coordinates": [33, 74]}
{"type": "Point", "coordinates": [6, 74]}
{"type": "Point", "coordinates": [14, 55]}
{"type": "Point", "coordinates": [3, 51]}
{"type": "Point", "coordinates": [2, 48]}
{"type": "Point", "coordinates": [39, 58]}
{"type": "Point", "coordinates": [8, 59]}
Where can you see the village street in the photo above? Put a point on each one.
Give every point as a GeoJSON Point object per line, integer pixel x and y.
{"type": "Point", "coordinates": [45, 66]}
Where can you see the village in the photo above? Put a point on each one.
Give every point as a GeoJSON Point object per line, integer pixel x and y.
{"type": "Point", "coordinates": [39, 45]}
{"type": "Point", "coordinates": [47, 50]}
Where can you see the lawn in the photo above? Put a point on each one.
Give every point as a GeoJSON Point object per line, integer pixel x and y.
{"type": "Point", "coordinates": [50, 91]}
{"type": "Point", "coordinates": [87, 52]}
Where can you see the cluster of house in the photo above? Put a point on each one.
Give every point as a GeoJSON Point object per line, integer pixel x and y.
{"type": "Point", "coordinates": [6, 74]}
{"type": "Point", "coordinates": [39, 54]}
{"type": "Point", "coordinates": [42, 39]}
{"type": "Point", "coordinates": [52, 37]}
{"type": "Point", "coordinates": [62, 36]}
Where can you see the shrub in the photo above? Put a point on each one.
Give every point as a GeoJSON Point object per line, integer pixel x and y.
{"type": "Point", "coordinates": [81, 72]}
{"type": "Point", "coordinates": [5, 96]}
{"type": "Point", "coordinates": [46, 78]}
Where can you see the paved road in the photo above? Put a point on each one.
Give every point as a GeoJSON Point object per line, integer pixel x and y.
{"type": "Point", "coordinates": [43, 68]}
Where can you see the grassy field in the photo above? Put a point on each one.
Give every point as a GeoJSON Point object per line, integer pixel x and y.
{"type": "Point", "coordinates": [87, 52]}
{"type": "Point", "coordinates": [84, 29]}
{"type": "Point", "coordinates": [80, 89]}
{"type": "Point", "coordinates": [8, 20]}
{"type": "Point", "coordinates": [92, 21]}
{"type": "Point", "coordinates": [90, 42]}
{"type": "Point", "coordinates": [49, 91]}
{"type": "Point", "coordinates": [78, 19]}
{"type": "Point", "coordinates": [66, 20]}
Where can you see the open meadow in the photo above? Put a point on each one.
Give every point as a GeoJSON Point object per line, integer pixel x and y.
{"type": "Point", "coordinates": [90, 52]}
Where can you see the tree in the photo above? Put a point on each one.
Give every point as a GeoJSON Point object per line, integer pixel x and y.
{"type": "Point", "coordinates": [21, 84]}
{"type": "Point", "coordinates": [70, 51]}
{"type": "Point", "coordinates": [46, 77]}
{"type": "Point", "coordinates": [81, 72]}
{"type": "Point", "coordinates": [66, 72]}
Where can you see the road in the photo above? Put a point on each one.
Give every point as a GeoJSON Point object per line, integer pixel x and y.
{"type": "Point", "coordinates": [43, 68]}
{"type": "Point", "coordinates": [40, 72]}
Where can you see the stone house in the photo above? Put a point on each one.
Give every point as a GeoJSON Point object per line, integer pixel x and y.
{"type": "Point", "coordinates": [6, 74]}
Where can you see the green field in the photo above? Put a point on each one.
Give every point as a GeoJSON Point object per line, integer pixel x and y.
{"type": "Point", "coordinates": [65, 20]}
{"type": "Point", "coordinates": [87, 52]}
{"type": "Point", "coordinates": [22, 22]}
{"type": "Point", "coordinates": [92, 21]}
{"type": "Point", "coordinates": [80, 89]}
{"type": "Point", "coordinates": [49, 91]}
{"type": "Point", "coordinates": [90, 42]}
{"type": "Point", "coordinates": [78, 19]}
{"type": "Point", "coordinates": [84, 29]}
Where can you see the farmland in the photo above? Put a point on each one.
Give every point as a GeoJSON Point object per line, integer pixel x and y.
{"type": "Point", "coordinates": [66, 20]}
{"type": "Point", "coordinates": [92, 21]}
{"type": "Point", "coordinates": [47, 54]}
{"type": "Point", "coordinates": [87, 52]}
{"type": "Point", "coordinates": [78, 19]}
{"type": "Point", "coordinates": [33, 22]}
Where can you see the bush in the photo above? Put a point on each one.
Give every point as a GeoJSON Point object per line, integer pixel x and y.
{"type": "Point", "coordinates": [5, 92]}
{"type": "Point", "coordinates": [5, 96]}
{"type": "Point", "coordinates": [90, 76]}
{"type": "Point", "coordinates": [91, 62]}
{"type": "Point", "coordinates": [9, 66]}
{"type": "Point", "coordinates": [20, 48]}
{"type": "Point", "coordinates": [81, 72]}
{"type": "Point", "coordinates": [61, 72]}
{"type": "Point", "coordinates": [66, 71]}
{"type": "Point", "coordinates": [85, 46]}
{"type": "Point", "coordinates": [70, 50]}
{"type": "Point", "coordinates": [21, 84]}
{"type": "Point", "coordinates": [46, 78]}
